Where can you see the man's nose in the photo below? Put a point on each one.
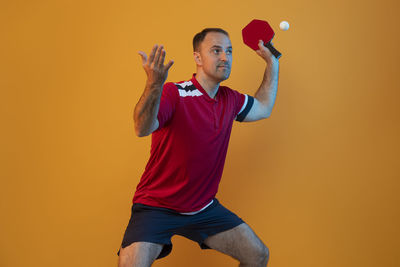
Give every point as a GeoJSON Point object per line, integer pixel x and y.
{"type": "Point", "coordinates": [224, 57]}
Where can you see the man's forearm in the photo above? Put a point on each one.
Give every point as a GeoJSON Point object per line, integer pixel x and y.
{"type": "Point", "coordinates": [266, 93]}
{"type": "Point", "coordinates": [146, 110]}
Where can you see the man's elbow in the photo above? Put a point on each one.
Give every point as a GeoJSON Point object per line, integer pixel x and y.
{"type": "Point", "coordinates": [263, 117]}
{"type": "Point", "coordinates": [141, 132]}
{"type": "Point", "coordinates": [266, 113]}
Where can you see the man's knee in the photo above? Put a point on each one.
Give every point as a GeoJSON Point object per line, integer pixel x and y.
{"type": "Point", "coordinates": [259, 254]}
{"type": "Point", "coordinates": [264, 255]}
{"type": "Point", "coordinates": [139, 254]}
{"type": "Point", "coordinates": [259, 257]}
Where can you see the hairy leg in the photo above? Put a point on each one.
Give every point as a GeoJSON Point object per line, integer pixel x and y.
{"type": "Point", "coordinates": [242, 244]}
{"type": "Point", "coordinates": [139, 254]}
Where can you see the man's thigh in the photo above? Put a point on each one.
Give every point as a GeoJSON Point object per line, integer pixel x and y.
{"type": "Point", "coordinates": [240, 242]}
{"type": "Point", "coordinates": [139, 254]}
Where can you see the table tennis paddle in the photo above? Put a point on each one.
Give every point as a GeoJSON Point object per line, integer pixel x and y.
{"type": "Point", "coordinates": [259, 30]}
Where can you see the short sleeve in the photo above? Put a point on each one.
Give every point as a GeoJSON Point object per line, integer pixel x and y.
{"type": "Point", "coordinates": [245, 102]}
{"type": "Point", "coordinates": [168, 102]}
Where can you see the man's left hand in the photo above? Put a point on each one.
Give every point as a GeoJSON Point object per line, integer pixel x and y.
{"type": "Point", "coordinates": [266, 54]}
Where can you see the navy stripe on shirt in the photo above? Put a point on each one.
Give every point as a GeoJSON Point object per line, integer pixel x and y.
{"type": "Point", "coordinates": [240, 117]}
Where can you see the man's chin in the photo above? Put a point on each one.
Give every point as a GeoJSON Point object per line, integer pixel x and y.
{"type": "Point", "coordinates": [224, 76]}
{"type": "Point", "coordinates": [220, 76]}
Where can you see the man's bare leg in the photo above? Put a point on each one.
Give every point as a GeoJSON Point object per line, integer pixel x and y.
{"type": "Point", "coordinates": [242, 244]}
{"type": "Point", "coordinates": [139, 254]}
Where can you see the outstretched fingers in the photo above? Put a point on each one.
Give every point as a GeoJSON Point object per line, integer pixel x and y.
{"type": "Point", "coordinates": [159, 59]}
{"type": "Point", "coordinates": [161, 62]}
{"type": "Point", "coordinates": [144, 57]}
{"type": "Point", "coordinates": [154, 66]}
{"type": "Point", "coordinates": [157, 56]}
{"type": "Point", "coordinates": [169, 64]}
{"type": "Point", "coordinates": [152, 54]}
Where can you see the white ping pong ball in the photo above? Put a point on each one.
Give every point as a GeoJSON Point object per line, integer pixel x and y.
{"type": "Point", "coordinates": [284, 26]}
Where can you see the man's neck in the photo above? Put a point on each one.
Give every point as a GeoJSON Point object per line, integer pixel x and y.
{"type": "Point", "coordinates": [210, 86]}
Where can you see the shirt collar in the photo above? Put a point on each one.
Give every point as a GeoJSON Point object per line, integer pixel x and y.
{"type": "Point", "coordinates": [204, 92]}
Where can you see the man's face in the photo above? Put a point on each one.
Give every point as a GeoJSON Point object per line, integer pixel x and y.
{"type": "Point", "coordinates": [216, 56]}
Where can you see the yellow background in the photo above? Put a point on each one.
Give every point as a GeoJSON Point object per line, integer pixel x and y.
{"type": "Point", "coordinates": [318, 181]}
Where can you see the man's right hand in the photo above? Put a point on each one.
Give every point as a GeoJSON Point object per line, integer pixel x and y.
{"type": "Point", "coordinates": [154, 67]}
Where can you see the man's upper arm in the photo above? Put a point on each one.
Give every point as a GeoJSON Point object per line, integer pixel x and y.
{"type": "Point", "coordinates": [252, 110]}
{"type": "Point", "coordinates": [168, 102]}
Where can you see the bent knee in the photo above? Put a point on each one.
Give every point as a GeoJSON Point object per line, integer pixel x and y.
{"type": "Point", "coordinates": [262, 255]}
{"type": "Point", "coordinates": [265, 253]}
{"type": "Point", "coordinates": [258, 257]}
{"type": "Point", "coordinates": [145, 252]}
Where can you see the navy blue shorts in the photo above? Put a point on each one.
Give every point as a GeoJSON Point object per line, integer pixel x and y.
{"type": "Point", "coordinates": [158, 225]}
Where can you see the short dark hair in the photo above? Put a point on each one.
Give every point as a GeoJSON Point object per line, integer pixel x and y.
{"type": "Point", "coordinates": [199, 37]}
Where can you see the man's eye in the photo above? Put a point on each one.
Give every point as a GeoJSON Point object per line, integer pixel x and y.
{"type": "Point", "coordinates": [217, 51]}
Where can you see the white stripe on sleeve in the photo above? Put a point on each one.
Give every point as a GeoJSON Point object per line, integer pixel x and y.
{"type": "Point", "coordinates": [244, 104]}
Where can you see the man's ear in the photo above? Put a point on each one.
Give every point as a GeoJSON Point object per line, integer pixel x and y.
{"type": "Point", "coordinates": [197, 58]}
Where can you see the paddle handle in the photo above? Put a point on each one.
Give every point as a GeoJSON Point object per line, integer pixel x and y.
{"type": "Point", "coordinates": [275, 52]}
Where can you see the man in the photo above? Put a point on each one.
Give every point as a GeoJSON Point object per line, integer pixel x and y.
{"type": "Point", "coordinates": [190, 122]}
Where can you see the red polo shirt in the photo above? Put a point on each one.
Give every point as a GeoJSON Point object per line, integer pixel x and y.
{"type": "Point", "coordinates": [189, 148]}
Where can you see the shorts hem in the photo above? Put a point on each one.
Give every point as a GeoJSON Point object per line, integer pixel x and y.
{"type": "Point", "coordinates": [204, 246]}
{"type": "Point", "coordinates": [166, 250]}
